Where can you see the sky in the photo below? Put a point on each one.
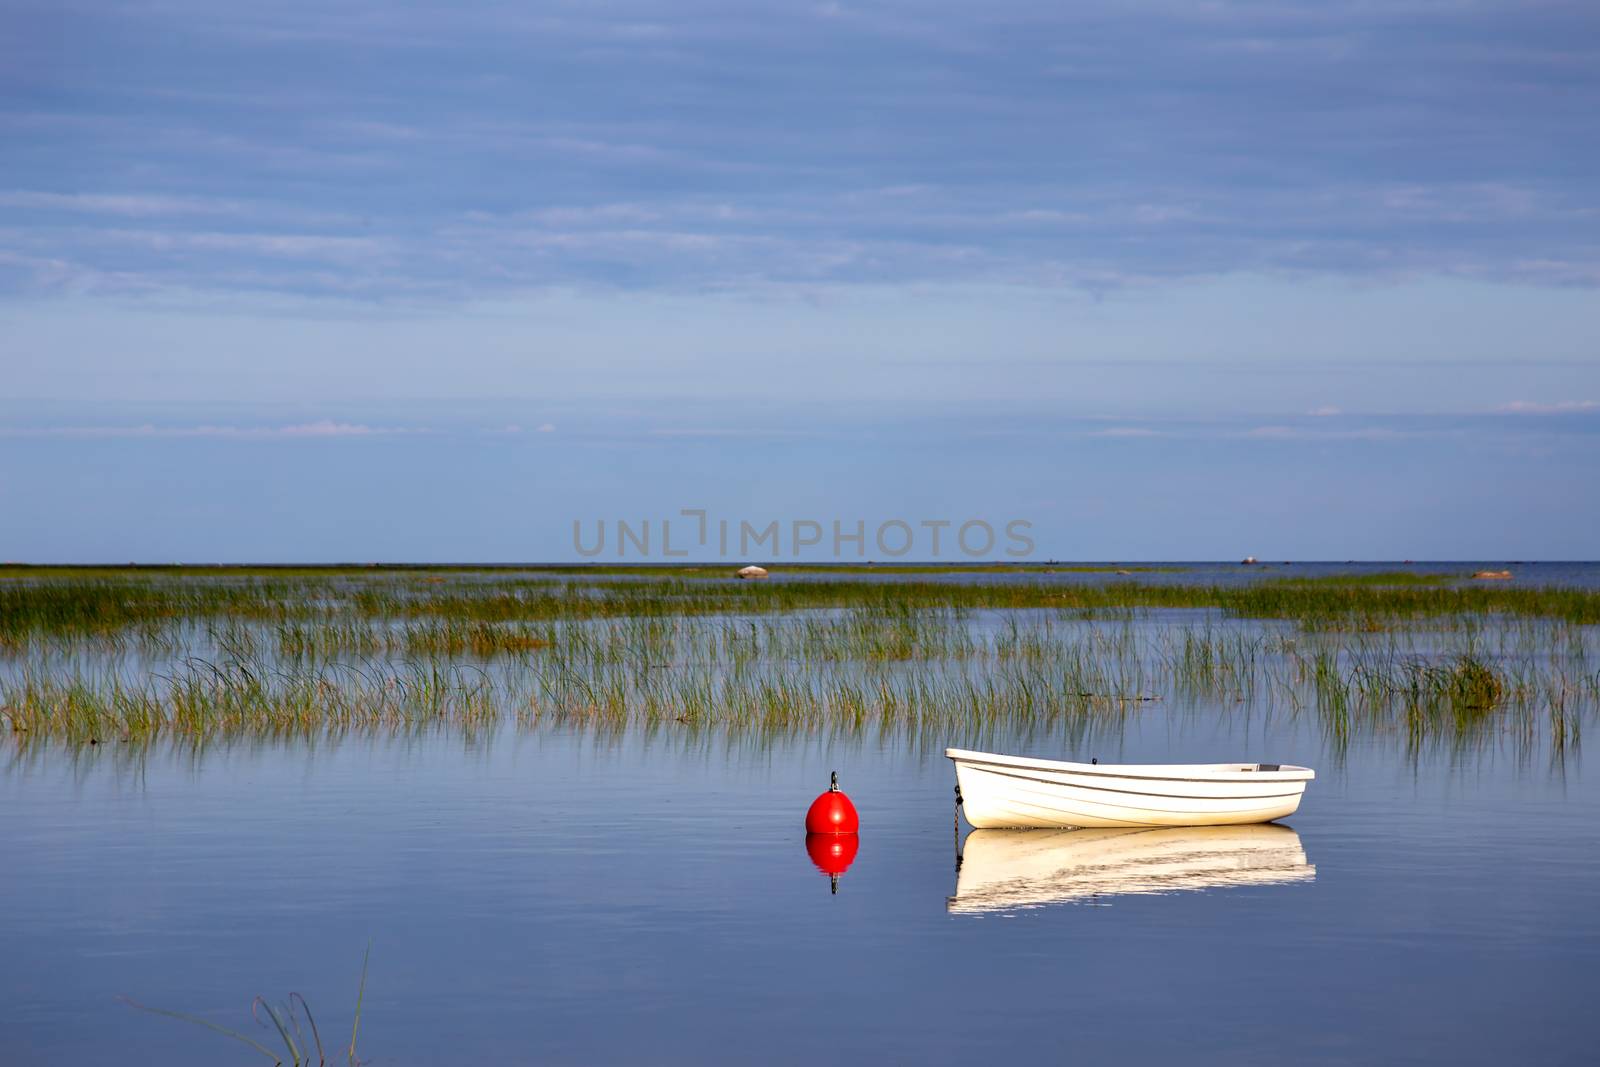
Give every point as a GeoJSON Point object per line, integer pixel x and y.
{"type": "Point", "coordinates": [364, 281]}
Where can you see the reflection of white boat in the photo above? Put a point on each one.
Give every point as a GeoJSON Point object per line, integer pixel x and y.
{"type": "Point", "coordinates": [1006, 869]}
{"type": "Point", "coordinates": [1015, 791]}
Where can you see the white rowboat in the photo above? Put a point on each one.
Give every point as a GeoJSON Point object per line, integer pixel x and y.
{"type": "Point", "coordinates": [1019, 792]}
{"type": "Point", "coordinates": [1003, 870]}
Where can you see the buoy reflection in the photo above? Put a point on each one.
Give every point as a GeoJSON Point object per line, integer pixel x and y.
{"type": "Point", "coordinates": [833, 854]}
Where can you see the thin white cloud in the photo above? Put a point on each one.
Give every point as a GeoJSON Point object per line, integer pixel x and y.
{"type": "Point", "coordinates": [300, 245]}
{"type": "Point", "coordinates": [1326, 411]}
{"type": "Point", "coordinates": [1301, 433]}
{"type": "Point", "coordinates": [320, 428]}
{"type": "Point", "coordinates": [329, 428]}
{"type": "Point", "coordinates": [704, 431]}
{"type": "Point", "coordinates": [164, 209]}
{"type": "Point", "coordinates": [131, 205]}
{"type": "Point", "coordinates": [1559, 407]}
{"type": "Point", "coordinates": [1125, 431]}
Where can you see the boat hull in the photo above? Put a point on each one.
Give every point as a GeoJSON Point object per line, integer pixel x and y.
{"type": "Point", "coordinates": [1001, 792]}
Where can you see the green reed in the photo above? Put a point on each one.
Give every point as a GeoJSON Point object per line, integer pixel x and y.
{"type": "Point", "coordinates": [133, 656]}
{"type": "Point", "coordinates": [853, 671]}
{"type": "Point", "coordinates": [120, 607]}
{"type": "Point", "coordinates": [203, 699]}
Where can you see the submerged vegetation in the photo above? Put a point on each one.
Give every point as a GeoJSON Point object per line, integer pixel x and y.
{"type": "Point", "coordinates": [291, 1020]}
{"type": "Point", "coordinates": [128, 657]}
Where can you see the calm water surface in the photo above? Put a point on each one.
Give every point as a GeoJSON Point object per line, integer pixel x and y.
{"type": "Point", "coordinates": [548, 897]}
{"type": "Point", "coordinates": [552, 897]}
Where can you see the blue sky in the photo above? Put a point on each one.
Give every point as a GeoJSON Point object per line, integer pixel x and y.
{"type": "Point", "coordinates": [1170, 280]}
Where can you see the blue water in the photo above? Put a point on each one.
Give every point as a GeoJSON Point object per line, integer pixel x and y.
{"type": "Point", "coordinates": [550, 897]}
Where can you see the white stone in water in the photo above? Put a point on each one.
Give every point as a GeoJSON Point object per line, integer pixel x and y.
{"type": "Point", "coordinates": [752, 572]}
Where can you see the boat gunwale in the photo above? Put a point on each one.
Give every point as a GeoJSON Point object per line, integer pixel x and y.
{"type": "Point", "coordinates": [1152, 794]}
{"type": "Point", "coordinates": [1171, 772]}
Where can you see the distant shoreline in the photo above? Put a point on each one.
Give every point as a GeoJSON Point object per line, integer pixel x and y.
{"type": "Point", "coordinates": [814, 567]}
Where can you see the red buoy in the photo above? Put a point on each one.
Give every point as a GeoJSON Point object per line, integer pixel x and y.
{"type": "Point", "coordinates": [832, 813]}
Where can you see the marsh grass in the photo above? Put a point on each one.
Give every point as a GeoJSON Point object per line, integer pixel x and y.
{"type": "Point", "coordinates": [129, 657]}
{"type": "Point", "coordinates": [430, 638]}
{"type": "Point", "coordinates": [852, 674]}
{"type": "Point", "coordinates": [1372, 578]}
{"type": "Point", "coordinates": [201, 699]}
{"type": "Point", "coordinates": [107, 608]}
